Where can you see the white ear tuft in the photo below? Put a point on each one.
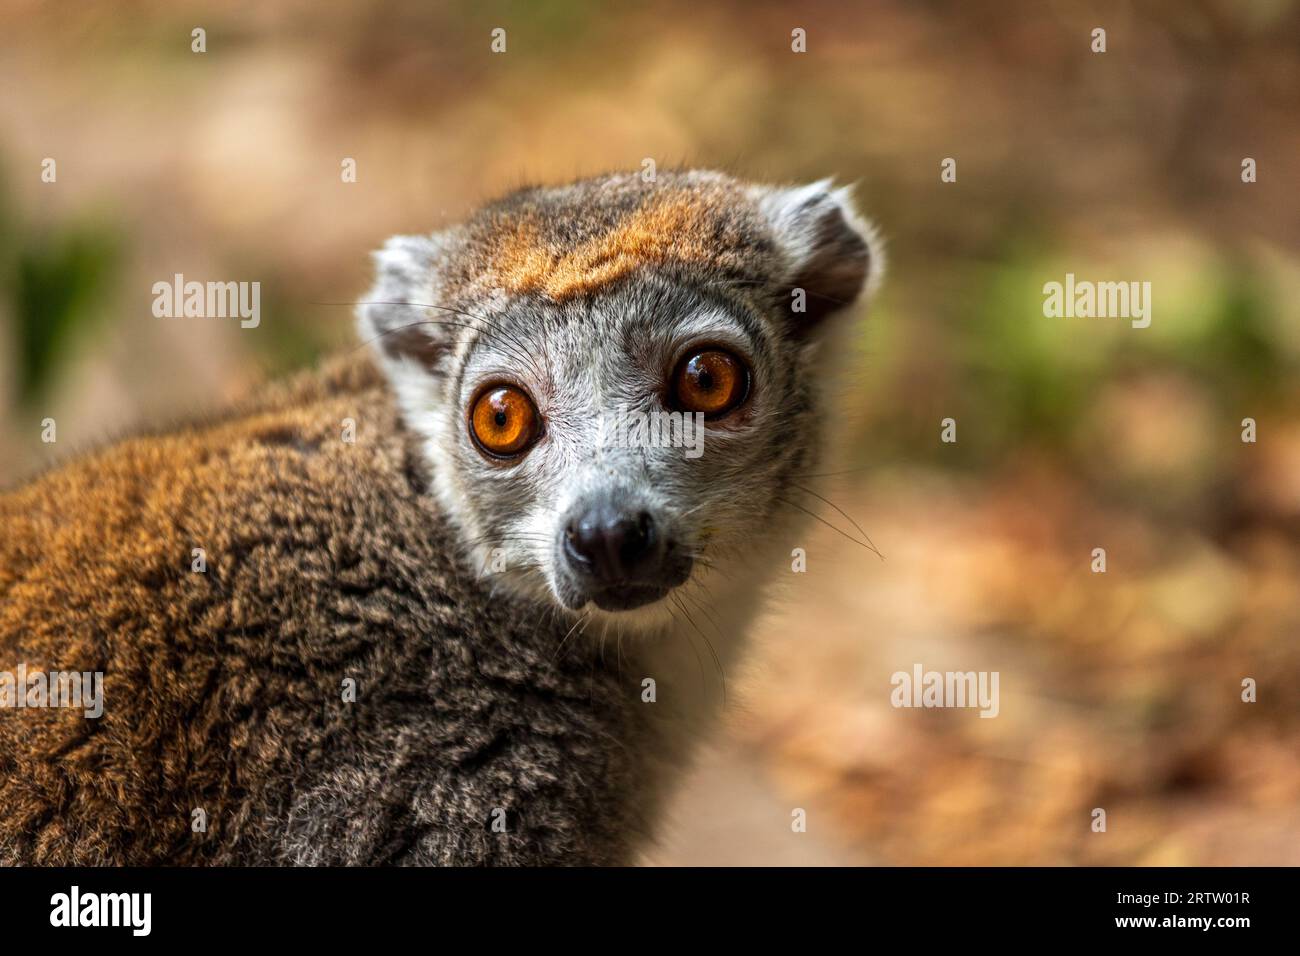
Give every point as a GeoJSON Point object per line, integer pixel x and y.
{"type": "Point", "coordinates": [830, 251]}
{"type": "Point", "coordinates": [395, 317]}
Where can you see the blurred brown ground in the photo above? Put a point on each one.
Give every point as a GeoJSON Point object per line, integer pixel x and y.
{"type": "Point", "coordinates": [1119, 690]}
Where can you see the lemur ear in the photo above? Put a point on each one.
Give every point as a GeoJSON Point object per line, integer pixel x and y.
{"type": "Point", "coordinates": [395, 318]}
{"type": "Point", "coordinates": [832, 256]}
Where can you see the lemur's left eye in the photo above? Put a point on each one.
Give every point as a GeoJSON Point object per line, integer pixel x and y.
{"type": "Point", "coordinates": [504, 421]}
{"type": "Point", "coordinates": [711, 381]}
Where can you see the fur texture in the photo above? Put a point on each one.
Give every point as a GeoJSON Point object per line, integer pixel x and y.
{"type": "Point", "coordinates": [223, 690]}
{"type": "Point", "coordinates": [492, 724]}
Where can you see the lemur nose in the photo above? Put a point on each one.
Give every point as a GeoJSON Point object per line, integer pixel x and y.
{"type": "Point", "coordinates": [611, 544]}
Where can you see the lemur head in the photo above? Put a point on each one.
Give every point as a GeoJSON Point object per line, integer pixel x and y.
{"type": "Point", "coordinates": [617, 380]}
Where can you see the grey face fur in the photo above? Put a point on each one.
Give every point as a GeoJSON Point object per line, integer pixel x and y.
{"type": "Point", "coordinates": [613, 283]}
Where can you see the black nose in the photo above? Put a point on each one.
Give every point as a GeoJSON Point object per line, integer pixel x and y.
{"type": "Point", "coordinates": [611, 544]}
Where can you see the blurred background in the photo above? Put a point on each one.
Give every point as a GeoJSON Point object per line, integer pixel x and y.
{"type": "Point", "coordinates": [1119, 690]}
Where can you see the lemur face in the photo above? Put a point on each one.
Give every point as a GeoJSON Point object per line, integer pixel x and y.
{"type": "Point", "coordinates": [617, 381]}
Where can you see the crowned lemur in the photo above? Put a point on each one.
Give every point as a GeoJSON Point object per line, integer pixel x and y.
{"type": "Point", "coordinates": [435, 603]}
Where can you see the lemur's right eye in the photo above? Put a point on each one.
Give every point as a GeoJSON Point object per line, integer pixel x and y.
{"type": "Point", "coordinates": [503, 421]}
{"type": "Point", "coordinates": [711, 381]}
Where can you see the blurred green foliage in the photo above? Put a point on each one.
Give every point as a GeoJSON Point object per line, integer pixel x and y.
{"type": "Point", "coordinates": [1028, 381]}
{"type": "Point", "coordinates": [55, 285]}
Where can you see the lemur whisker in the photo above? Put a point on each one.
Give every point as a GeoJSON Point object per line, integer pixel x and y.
{"type": "Point", "coordinates": [618, 649]}
{"type": "Point", "coordinates": [836, 474]}
{"type": "Point", "coordinates": [717, 662]}
{"type": "Point", "coordinates": [401, 328]}
{"type": "Point", "coordinates": [527, 537]}
{"type": "Point", "coordinates": [690, 511]}
{"type": "Point", "coordinates": [519, 348]}
{"type": "Point", "coordinates": [839, 531]}
{"type": "Point", "coordinates": [763, 284]}
{"type": "Point", "coordinates": [690, 641]}
{"type": "Point", "coordinates": [581, 620]}
{"type": "Point", "coordinates": [698, 556]}
{"type": "Point", "coordinates": [703, 606]}
{"type": "Point", "coordinates": [492, 324]}
{"type": "Point", "coordinates": [604, 633]}
{"type": "Point", "coordinates": [809, 491]}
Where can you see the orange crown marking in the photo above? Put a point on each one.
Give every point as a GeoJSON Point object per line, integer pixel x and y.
{"type": "Point", "coordinates": [665, 230]}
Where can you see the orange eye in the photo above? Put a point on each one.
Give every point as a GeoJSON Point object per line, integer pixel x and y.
{"type": "Point", "coordinates": [712, 381]}
{"type": "Point", "coordinates": [504, 421]}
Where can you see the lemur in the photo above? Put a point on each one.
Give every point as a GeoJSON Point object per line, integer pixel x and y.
{"type": "Point", "coordinates": [436, 616]}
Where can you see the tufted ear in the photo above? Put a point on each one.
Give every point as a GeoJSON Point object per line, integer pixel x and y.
{"type": "Point", "coordinates": [395, 318]}
{"type": "Point", "coordinates": [829, 251]}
